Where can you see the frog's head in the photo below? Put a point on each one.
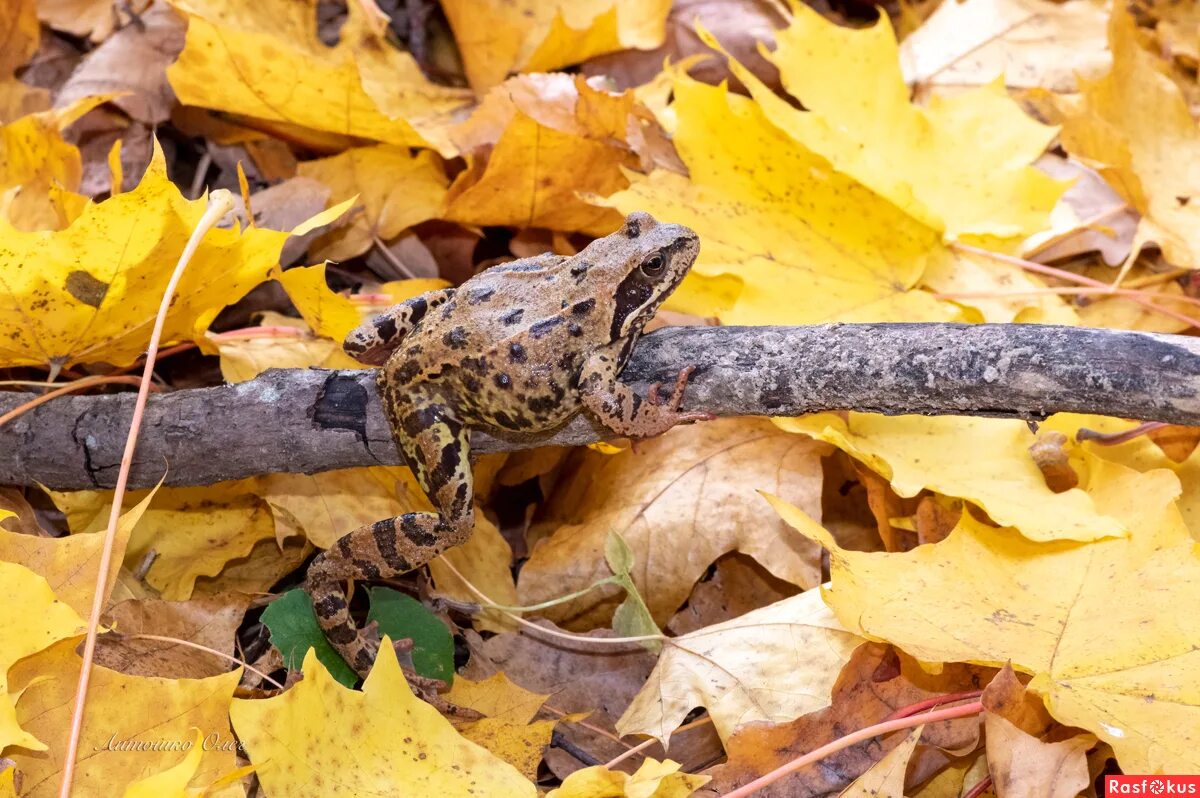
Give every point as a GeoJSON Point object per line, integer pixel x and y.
{"type": "Point", "coordinates": [641, 264]}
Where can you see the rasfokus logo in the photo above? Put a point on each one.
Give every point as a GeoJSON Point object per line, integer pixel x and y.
{"type": "Point", "coordinates": [1151, 785]}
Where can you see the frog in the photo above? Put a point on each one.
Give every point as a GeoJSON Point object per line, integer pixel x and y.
{"type": "Point", "coordinates": [521, 347]}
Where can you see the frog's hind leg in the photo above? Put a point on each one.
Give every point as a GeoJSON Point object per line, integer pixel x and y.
{"type": "Point", "coordinates": [436, 446]}
{"type": "Point", "coordinates": [373, 341]}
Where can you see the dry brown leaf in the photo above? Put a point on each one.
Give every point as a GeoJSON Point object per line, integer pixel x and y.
{"type": "Point", "coordinates": [738, 585]}
{"type": "Point", "coordinates": [133, 63]}
{"type": "Point", "coordinates": [210, 621]}
{"type": "Point", "coordinates": [680, 501]}
{"type": "Point", "coordinates": [874, 683]}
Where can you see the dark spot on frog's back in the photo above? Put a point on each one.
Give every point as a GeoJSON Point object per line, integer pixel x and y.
{"type": "Point", "coordinates": [455, 338]}
{"type": "Point", "coordinates": [583, 308]}
{"type": "Point", "coordinates": [545, 326]}
{"type": "Point", "coordinates": [503, 381]}
{"type": "Point", "coordinates": [86, 288]}
{"type": "Point", "coordinates": [405, 372]}
{"type": "Point", "coordinates": [513, 316]}
{"type": "Point", "coordinates": [575, 329]}
{"type": "Point", "coordinates": [580, 269]}
{"type": "Point", "coordinates": [516, 353]}
{"type": "Point", "coordinates": [478, 295]}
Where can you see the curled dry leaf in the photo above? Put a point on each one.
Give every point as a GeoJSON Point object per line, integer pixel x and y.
{"type": "Point", "coordinates": [680, 501]}
{"type": "Point", "coordinates": [132, 63]}
{"type": "Point", "coordinates": [1135, 127]}
{"type": "Point", "coordinates": [772, 664]}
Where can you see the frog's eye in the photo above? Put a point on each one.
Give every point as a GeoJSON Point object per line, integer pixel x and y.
{"type": "Point", "coordinates": [653, 266]}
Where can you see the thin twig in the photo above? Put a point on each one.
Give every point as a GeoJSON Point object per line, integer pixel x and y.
{"type": "Point", "coordinates": [219, 203]}
{"type": "Point", "coordinates": [213, 651]}
{"type": "Point", "coordinates": [644, 744]}
{"type": "Point", "coordinates": [391, 258]}
{"type": "Point", "coordinates": [842, 743]}
{"type": "Point", "coordinates": [71, 387]}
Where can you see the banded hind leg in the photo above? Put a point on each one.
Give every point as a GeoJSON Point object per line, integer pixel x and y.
{"type": "Point", "coordinates": [437, 447]}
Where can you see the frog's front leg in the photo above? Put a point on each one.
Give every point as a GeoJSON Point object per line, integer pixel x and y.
{"type": "Point", "coordinates": [622, 410]}
{"type": "Point", "coordinates": [436, 445]}
{"type": "Point", "coordinates": [374, 340]}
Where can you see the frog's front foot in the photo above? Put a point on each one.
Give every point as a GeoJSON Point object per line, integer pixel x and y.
{"type": "Point", "coordinates": [676, 398]}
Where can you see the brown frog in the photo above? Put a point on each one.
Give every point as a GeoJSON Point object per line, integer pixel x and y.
{"type": "Point", "coordinates": [521, 347]}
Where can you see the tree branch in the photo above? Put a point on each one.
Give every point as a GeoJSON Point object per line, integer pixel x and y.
{"type": "Point", "coordinates": [315, 420]}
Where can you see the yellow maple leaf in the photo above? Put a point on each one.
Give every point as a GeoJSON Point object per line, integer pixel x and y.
{"type": "Point", "coordinates": [322, 739]}
{"type": "Point", "coordinates": [681, 502]}
{"type": "Point", "coordinates": [34, 619]}
{"type": "Point", "coordinates": [59, 308]}
{"type": "Point", "coordinates": [1136, 128]}
{"type": "Point", "coordinates": [40, 171]}
{"type": "Point", "coordinates": [173, 782]}
{"type": "Point", "coordinates": [133, 726]}
{"type": "Point", "coordinates": [497, 37]}
{"type": "Point", "coordinates": [193, 532]}
{"type": "Point", "coordinates": [982, 460]}
{"type": "Point", "coordinates": [264, 60]}
{"type": "Point", "coordinates": [786, 239]}
{"type": "Point", "coordinates": [772, 664]}
{"type": "Point", "coordinates": [1098, 623]}
{"type": "Point", "coordinates": [962, 166]}
{"type": "Point", "coordinates": [69, 564]}
{"type": "Point", "coordinates": [396, 188]}
{"type": "Point", "coordinates": [327, 313]}
{"type": "Point", "coordinates": [652, 779]}
{"type": "Point", "coordinates": [509, 730]}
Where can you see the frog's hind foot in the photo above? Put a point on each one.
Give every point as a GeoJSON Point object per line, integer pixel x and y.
{"type": "Point", "coordinates": [381, 550]}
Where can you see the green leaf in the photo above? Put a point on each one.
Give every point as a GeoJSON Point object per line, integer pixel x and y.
{"type": "Point", "coordinates": [400, 616]}
{"type": "Point", "coordinates": [617, 554]}
{"type": "Point", "coordinates": [294, 630]}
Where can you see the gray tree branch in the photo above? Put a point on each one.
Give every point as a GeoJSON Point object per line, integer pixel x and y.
{"type": "Point", "coordinates": [316, 420]}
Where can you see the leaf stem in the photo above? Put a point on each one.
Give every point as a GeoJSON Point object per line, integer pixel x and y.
{"type": "Point", "coordinates": [219, 203]}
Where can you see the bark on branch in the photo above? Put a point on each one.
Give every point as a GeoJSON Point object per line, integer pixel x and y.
{"type": "Point", "coordinates": [316, 420]}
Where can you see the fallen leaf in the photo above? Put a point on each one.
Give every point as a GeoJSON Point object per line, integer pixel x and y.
{"type": "Point", "coordinates": [681, 502]}
{"type": "Point", "coordinates": [105, 310]}
{"type": "Point", "coordinates": [877, 681]}
{"type": "Point", "coordinates": [983, 460]}
{"type": "Point", "coordinates": [537, 143]}
{"type": "Point", "coordinates": [772, 664]}
{"type": "Point", "coordinates": [39, 168]}
{"type": "Point", "coordinates": [509, 731]}
{"type": "Point", "coordinates": [20, 33]}
{"type": "Point", "coordinates": [496, 38]}
{"type": "Point", "coordinates": [652, 779]}
{"type": "Point", "coordinates": [1135, 128]}
{"type": "Point", "coordinates": [133, 726]}
{"type": "Point", "coordinates": [486, 561]}
{"type": "Point", "coordinates": [264, 60]}
{"type": "Point", "coordinates": [131, 65]}
{"type": "Point", "coordinates": [69, 564]}
{"type": "Point", "coordinates": [1024, 766]}
{"type": "Point", "coordinates": [737, 586]}
{"type": "Point", "coordinates": [886, 777]}
{"type": "Point", "coordinates": [322, 739]}
{"type": "Point", "coordinates": [93, 19]}
{"type": "Point", "coordinates": [1090, 216]}
{"type": "Point", "coordinates": [35, 619]}
{"type": "Point", "coordinates": [188, 532]}
{"type": "Point", "coordinates": [258, 571]}
{"type": "Point", "coordinates": [1076, 615]}
{"type": "Point", "coordinates": [396, 189]}
{"type": "Point", "coordinates": [938, 164]}
{"type": "Point", "coordinates": [210, 621]}
{"type": "Point", "coordinates": [1031, 43]}
{"type": "Point", "coordinates": [787, 239]}
{"type": "Point", "coordinates": [173, 782]}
